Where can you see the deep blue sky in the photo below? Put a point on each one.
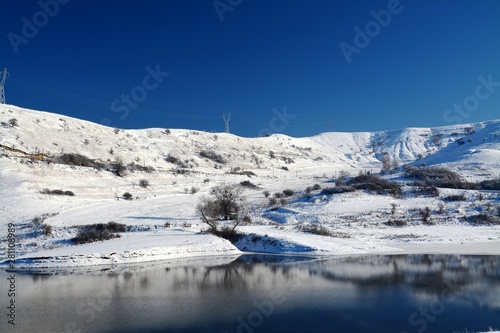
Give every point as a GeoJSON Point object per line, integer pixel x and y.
{"type": "Point", "coordinates": [263, 55]}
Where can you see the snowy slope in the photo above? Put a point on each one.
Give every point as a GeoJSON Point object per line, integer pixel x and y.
{"type": "Point", "coordinates": [55, 134]}
{"type": "Point", "coordinates": [277, 162]}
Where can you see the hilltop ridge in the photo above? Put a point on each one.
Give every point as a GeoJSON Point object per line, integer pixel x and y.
{"type": "Point", "coordinates": [472, 149]}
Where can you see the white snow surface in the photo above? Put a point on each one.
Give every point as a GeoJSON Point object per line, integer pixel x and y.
{"type": "Point", "coordinates": [355, 220]}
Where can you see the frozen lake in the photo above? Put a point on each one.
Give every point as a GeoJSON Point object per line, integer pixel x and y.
{"type": "Point", "coordinates": [399, 293]}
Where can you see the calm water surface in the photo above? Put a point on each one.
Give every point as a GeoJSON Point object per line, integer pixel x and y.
{"type": "Point", "coordinates": [404, 293]}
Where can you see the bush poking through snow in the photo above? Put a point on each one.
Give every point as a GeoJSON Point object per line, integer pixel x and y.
{"type": "Point", "coordinates": [77, 160]}
{"type": "Point", "coordinates": [425, 214]}
{"type": "Point", "coordinates": [98, 232]}
{"type": "Point", "coordinates": [39, 220]}
{"type": "Point", "coordinates": [127, 196]}
{"type": "Point", "coordinates": [485, 219]}
{"type": "Point", "coordinates": [456, 197]}
{"type": "Point", "coordinates": [372, 183]}
{"type": "Point", "coordinates": [57, 192]}
{"type": "Point", "coordinates": [394, 209]}
{"type": "Point", "coordinates": [490, 185]}
{"type": "Point", "coordinates": [227, 233]}
{"type": "Point", "coordinates": [242, 173]}
{"type": "Point", "coordinates": [288, 192]}
{"type": "Point", "coordinates": [47, 230]}
{"type": "Point", "coordinates": [321, 231]}
{"type": "Point", "coordinates": [211, 155]}
{"type": "Point", "coordinates": [13, 122]}
{"type": "Point", "coordinates": [248, 184]}
{"type": "Point", "coordinates": [118, 168]}
{"type": "Point", "coordinates": [397, 223]}
{"type": "Point", "coordinates": [316, 230]}
{"type": "Point", "coordinates": [133, 167]}
{"type": "Point", "coordinates": [337, 190]}
{"type": "Point", "coordinates": [266, 193]}
{"type": "Point", "coordinates": [439, 177]}
{"type": "Point", "coordinates": [431, 191]}
{"type": "Point", "coordinates": [174, 160]}
{"type": "Point", "coordinates": [441, 208]}
{"type": "Point", "coordinates": [143, 183]}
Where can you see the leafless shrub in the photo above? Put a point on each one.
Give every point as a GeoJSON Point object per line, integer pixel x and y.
{"type": "Point", "coordinates": [211, 155]}
{"type": "Point", "coordinates": [47, 230]}
{"type": "Point", "coordinates": [13, 122]}
{"type": "Point", "coordinates": [441, 208]}
{"type": "Point", "coordinates": [337, 190]}
{"type": "Point", "coordinates": [98, 232]}
{"type": "Point", "coordinates": [456, 197]}
{"type": "Point", "coordinates": [127, 196]}
{"type": "Point", "coordinates": [396, 223]}
{"type": "Point", "coordinates": [425, 215]}
{"type": "Point", "coordinates": [57, 192]}
{"type": "Point", "coordinates": [248, 184]}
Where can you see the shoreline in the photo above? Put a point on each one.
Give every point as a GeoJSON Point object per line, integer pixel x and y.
{"type": "Point", "coordinates": [72, 261]}
{"type": "Point", "coordinates": [474, 248]}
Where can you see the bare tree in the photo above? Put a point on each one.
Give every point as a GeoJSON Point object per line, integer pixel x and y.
{"type": "Point", "coordinates": [386, 162]}
{"type": "Point", "coordinates": [343, 175]}
{"type": "Point", "coordinates": [228, 196]}
{"type": "Point", "coordinates": [394, 209]}
{"type": "Point", "coordinates": [227, 204]}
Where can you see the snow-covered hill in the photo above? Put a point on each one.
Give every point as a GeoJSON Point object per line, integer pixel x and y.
{"type": "Point", "coordinates": [473, 149]}
{"type": "Point", "coordinates": [183, 165]}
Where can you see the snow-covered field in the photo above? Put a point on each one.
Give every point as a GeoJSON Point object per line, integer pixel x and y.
{"type": "Point", "coordinates": [356, 221]}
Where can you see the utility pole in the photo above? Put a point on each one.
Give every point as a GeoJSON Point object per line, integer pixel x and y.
{"type": "Point", "coordinates": [226, 121]}
{"type": "Point", "coordinates": [3, 77]}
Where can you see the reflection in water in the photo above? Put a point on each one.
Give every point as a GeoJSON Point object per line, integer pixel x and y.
{"type": "Point", "coordinates": [265, 294]}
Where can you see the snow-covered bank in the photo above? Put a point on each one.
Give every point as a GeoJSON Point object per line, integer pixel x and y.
{"type": "Point", "coordinates": [163, 245]}
{"type": "Point", "coordinates": [291, 243]}
{"type": "Point", "coordinates": [131, 248]}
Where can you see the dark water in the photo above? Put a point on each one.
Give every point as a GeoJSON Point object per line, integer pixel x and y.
{"type": "Point", "coordinates": [411, 293]}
